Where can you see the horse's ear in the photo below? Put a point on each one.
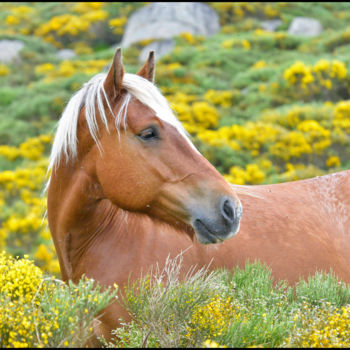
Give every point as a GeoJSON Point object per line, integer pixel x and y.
{"type": "Point", "coordinates": [148, 69]}
{"type": "Point", "coordinates": [114, 80]}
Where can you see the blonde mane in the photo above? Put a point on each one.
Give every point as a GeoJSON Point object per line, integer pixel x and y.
{"type": "Point", "coordinates": [93, 94]}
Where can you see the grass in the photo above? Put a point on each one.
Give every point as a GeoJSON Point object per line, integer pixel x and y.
{"type": "Point", "coordinates": [240, 308]}
{"type": "Point", "coordinates": [170, 307]}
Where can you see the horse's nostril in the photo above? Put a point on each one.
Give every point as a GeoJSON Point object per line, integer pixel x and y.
{"type": "Point", "coordinates": [228, 210]}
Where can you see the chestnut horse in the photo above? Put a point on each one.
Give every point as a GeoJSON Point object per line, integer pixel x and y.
{"type": "Point", "coordinates": [128, 188]}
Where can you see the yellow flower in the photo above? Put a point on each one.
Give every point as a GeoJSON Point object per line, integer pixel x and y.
{"type": "Point", "coordinates": [296, 73]}
{"type": "Point", "coordinates": [95, 16]}
{"type": "Point", "coordinates": [246, 44]}
{"type": "Point", "coordinates": [174, 65]}
{"type": "Point", "coordinates": [83, 7]}
{"type": "Point", "coordinates": [259, 64]}
{"type": "Point", "coordinates": [210, 344]}
{"type": "Point", "coordinates": [188, 37]}
{"type": "Point", "coordinates": [327, 83]}
{"type": "Point", "coordinates": [228, 44]}
{"type": "Point", "coordinates": [307, 78]}
{"type": "Point", "coordinates": [342, 110]}
{"type": "Point", "coordinates": [254, 175]}
{"type": "Point", "coordinates": [117, 24]}
{"type": "Point", "coordinates": [214, 318]}
{"type": "Point", "coordinates": [333, 161]}
{"type": "Point", "coordinates": [205, 115]}
{"type": "Point", "coordinates": [44, 68]}
{"type": "Point", "coordinates": [221, 98]}
{"type": "Point", "coordinates": [43, 254]}
{"type": "Point", "coordinates": [12, 20]}
{"type": "Point", "coordinates": [4, 70]}
{"type": "Point", "coordinates": [82, 48]}
{"type": "Point", "coordinates": [262, 87]}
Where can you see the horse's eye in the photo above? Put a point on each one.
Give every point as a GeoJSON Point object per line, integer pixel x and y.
{"type": "Point", "coordinates": [149, 134]}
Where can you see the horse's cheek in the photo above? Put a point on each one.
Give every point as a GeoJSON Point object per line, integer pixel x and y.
{"type": "Point", "coordinates": [131, 192]}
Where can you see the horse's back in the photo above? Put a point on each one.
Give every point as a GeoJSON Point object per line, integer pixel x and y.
{"type": "Point", "coordinates": [295, 228]}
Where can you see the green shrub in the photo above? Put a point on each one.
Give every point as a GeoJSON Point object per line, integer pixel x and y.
{"type": "Point", "coordinates": [320, 288]}
{"type": "Point", "coordinates": [39, 311]}
{"type": "Point", "coordinates": [244, 307]}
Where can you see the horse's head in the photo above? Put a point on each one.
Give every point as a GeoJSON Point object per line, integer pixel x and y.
{"type": "Point", "coordinates": [141, 159]}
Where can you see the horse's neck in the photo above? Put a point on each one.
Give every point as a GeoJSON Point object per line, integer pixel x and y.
{"type": "Point", "coordinates": [86, 228]}
{"type": "Point", "coordinates": [72, 203]}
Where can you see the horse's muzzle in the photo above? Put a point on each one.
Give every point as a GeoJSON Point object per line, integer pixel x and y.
{"type": "Point", "coordinates": [220, 224]}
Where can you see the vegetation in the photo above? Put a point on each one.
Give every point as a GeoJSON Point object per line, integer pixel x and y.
{"type": "Point", "coordinates": [263, 107]}
{"type": "Point", "coordinates": [239, 308]}
{"type": "Point", "coordinates": [39, 311]}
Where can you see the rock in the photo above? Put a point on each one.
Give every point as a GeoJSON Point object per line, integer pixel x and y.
{"type": "Point", "coordinates": [244, 91]}
{"type": "Point", "coordinates": [305, 26]}
{"type": "Point", "coordinates": [271, 25]}
{"type": "Point", "coordinates": [164, 20]}
{"type": "Point", "coordinates": [160, 48]}
{"type": "Point", "coordinates": [66, 54]}
{"type": "Point", "coordinates": [9, 50]}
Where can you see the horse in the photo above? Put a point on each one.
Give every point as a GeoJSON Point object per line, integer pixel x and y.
{"type": "Point", "coordinates": [128, 189]}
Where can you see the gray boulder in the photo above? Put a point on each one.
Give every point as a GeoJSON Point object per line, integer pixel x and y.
{"type": "Point", "coordinates": [160, 48]}
{"type": "Point", "coordinates": [9, 50]}
{"type": "Point", "coordinates": [271, 25]}
{"type": "Point", "coordinates": [305, 26]}
{"type": "Point", "coordinates": [164, 20]}
{"type": "Point", "coordinates": [66, 54]}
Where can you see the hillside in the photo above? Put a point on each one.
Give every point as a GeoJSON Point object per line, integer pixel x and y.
{"type": "Point", "coordinates": [262, 107]}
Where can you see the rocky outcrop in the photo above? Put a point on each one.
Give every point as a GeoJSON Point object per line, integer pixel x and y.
{"type": "Point", "coordinates": [164, 20]}
{"type": "Point", "coordinates": [305, 26]}
{"type": "Point", "coordinates": [9, 50]}
{"type": "Point", "coordinates": [271, 25]}
{"type": "Point", "coordinates": [66, 54]}
{"type": "Point", "coordinates": [160, 48]}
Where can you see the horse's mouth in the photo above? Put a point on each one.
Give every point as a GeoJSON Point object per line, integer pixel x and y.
{"type": "Point", "coordinates": [204, 234]}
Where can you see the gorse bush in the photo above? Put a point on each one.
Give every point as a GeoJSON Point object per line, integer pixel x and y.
{"type": "Point", "coordinates": [163, 304]}
{"type": "Point", "coordinates": [325, 80]}
{"type": "Point", "coordinates": [324, 326]}
{"type": "Point", "coordinates": [40, 311]}
{"type": "Point", "coordinates": [211, 320]}
{"type": "Point", "coordinates": [24, 228]}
